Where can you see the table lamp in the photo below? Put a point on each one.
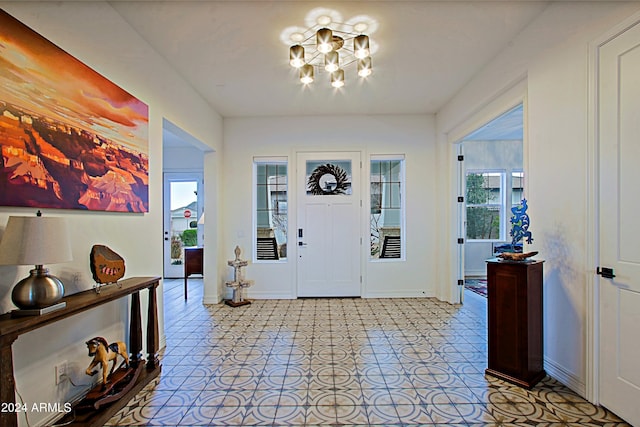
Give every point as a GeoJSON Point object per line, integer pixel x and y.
{"type": "Point", "coordinates": [36, 241]}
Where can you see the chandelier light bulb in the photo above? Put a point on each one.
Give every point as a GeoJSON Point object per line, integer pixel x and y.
{"type": "Point", "coordinates": [331, 61]}
{"type": "Point", "coordinates": [323, 20]}
{"type": "Point", "coordinates": [324, 39]}
{"type": "Point", "coordinates": [361, 27]}
{"type": "Point", "coordinates": [361, 46]}
{"type": "Point", "coordinates": [337, 79]}
{"type": "Point", "coordinates": [306, 74]}
{"type": "Point", "coordinates": [364, 67]}
{"type": "Point", "coordinates": [296, 56]}
{"type": "Point", "coordinates": [296, 37]}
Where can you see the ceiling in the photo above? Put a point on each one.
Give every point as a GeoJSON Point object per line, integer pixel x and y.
{"type": "Point", "coordinates": [231, 52]}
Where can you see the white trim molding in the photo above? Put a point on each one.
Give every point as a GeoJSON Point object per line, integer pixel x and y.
{"type": "Point", "coordinates": [565, 377]}
{"type": "Point", "coordinates": [592, 231]}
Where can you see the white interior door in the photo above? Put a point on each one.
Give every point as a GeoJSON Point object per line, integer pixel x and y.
{"type": "Point", "coordinates": [328, 237]}
{"type": "Point", "coordinates": [183, 206]}
{"type": "Point", "coordinates": [619, 141]}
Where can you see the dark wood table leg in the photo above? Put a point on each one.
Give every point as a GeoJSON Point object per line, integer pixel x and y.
{"type": "Point", "coordinates": [7, 382]}
{"type": "Point", "coordinates": [152, 329]}
{"type": "Point", "coordinates": [135, 330]}
{"type": "Point", "coordinates": [186, 276]}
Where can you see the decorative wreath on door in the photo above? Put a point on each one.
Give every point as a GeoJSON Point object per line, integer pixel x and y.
{"type": "Point", "coordinates": [328, 179]}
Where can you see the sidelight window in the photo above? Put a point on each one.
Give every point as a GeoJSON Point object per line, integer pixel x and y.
{"type": "Point", "coordinates": [387, 207]}
{"type": "Point", "coordinates": [271, 209]}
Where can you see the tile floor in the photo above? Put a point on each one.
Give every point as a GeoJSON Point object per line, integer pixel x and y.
{"type": "Point", "coordinates": [339, 362]}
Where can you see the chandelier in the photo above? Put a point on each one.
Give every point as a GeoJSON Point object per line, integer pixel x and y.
{"type": "Point", "coordinates": [329, 45]}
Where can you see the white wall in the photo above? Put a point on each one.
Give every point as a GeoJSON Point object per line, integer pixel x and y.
{"type": "Point", "coordinates": [282, 136]}
{"type": "Point", "coordinates": [182, 159]}
{"type": "Point", "coordinates": [553, 53]}
{"type": "Point", "coordinates": [95, 34]}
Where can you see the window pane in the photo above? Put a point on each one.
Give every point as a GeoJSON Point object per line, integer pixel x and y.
{"type": "Point", "coordinates": [376, 198]}
{"type": "Point", "coordinates": [517, 187]}
{"type": "Point", "coordinates": [375, 171]}
{"type": "Point", "coordinates": [483, 222]}
{"type": "Point", "coordinates": [395, 195]}
{"type": "Point", "coordinates": [484, 205]}
{"type": "Point", "coordinates": [395, 171]}
{"type": "Point", "coordinates": [477, 192]}
{"type": "Point", "coordinates": [386, 209]}
{"type": "Point", "coordinates": [261, 171]}
{"type": "Point", "coordinates": [261, 197]}
{"type": "Point", "coordinates": [384, 169]}
{"type": "Point", "coordinates": [282, 172]}
{"type": "Point", "coordinates": [271, 210]}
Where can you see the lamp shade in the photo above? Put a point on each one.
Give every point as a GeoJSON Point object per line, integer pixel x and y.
{"type": "Point", "coordinates": [364, 66]}
{"type": "Point", "coordinates": [296, 56]}
{"type": "Point", "coordinates": [337, 78]}
{"type": "Point", "coordinates": [306, 74]}
{"type": "Point", "coordinates": [361, 46]}
{"type": "Point", "coordinates": [331, 61]}
{"type": "Point", "coordinates": [324, 39]}
{"type": "Point", "coordinates": [35, 241]}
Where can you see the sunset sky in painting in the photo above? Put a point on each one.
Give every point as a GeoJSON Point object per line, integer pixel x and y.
{"type": "Point", "coordinates": [39, 76]}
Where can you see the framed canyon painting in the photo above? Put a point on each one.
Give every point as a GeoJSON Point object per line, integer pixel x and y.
{"type": "Point", "coordinates": [70, 138]}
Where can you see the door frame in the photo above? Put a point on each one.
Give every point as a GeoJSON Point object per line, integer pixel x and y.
{"type": "Point", "coordinates": [295, 189]}
{"type": "Point", "coordinates": [511, 97]}
{"type": "Point", "coordinates": [592, 253]}
{"type": "Point", "coordinates": [175, 176]}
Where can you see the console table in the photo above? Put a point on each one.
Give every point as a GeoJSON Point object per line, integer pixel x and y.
{"type": "Point", "coordinates": [12, 327]}
{"type": "Point", "coordinates": [514, 305]}
{"type": "Point", "coordinates": [193, 264]}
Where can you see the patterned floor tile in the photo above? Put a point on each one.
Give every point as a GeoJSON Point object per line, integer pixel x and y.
{"type": "Point", "coordinates": [198, 416]}
{"type": "Point", "coordinates": [327, 362]}
{"type": "Point", "coordinates": [168, 415]}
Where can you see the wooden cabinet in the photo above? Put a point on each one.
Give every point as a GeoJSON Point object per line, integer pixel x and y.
{"type": "Point", "coordinates": [193, 264]}
{"type": "Point", "coordinates": [514, 293]}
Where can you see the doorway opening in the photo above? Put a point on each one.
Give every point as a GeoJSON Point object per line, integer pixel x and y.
{"type": "Point", "coordinates": [183, 211]}
{"type": "Point", "coordinates": [183, 197]}
{"type": "Point", "coordinates": [492, 182]}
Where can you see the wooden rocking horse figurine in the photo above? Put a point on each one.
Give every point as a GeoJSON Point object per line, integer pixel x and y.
{"type": "Point", "coordinates": [103, 353]}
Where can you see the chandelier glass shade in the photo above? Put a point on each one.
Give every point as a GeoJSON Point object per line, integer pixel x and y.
{"type": "Point", "coordinates": [337, 78]}
{"type": "Point", "coordinates": [329, 46]}
{"type": "Point", "coordinates": [306, 74]}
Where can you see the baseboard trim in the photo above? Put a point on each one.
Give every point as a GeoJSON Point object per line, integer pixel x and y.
{"type": "Point", "coordinates": [395, 294]}
{"type": "Point", "coordinates": [269, 295]}
{"type": "Point", "coordinates": [399, 294]}
{"type": "Point", "coordinates": [475, 273]}
{"type": "Point", "coordinates": [209, 300]}
{"type": "Point", "coordinates": [565, 377]}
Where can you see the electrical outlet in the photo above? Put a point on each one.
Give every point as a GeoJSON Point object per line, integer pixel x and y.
{"type": "Point", "coordinates": [61, 372]}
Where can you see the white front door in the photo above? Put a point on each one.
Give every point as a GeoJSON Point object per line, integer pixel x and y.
{"type": "Point", "coordinates": [328, 236]}
{"type": "Point", "coordinates": [619, 145]}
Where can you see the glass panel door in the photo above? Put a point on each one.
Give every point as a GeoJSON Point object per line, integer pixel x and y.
{"type": "Point", "coordinates": [182, 211]}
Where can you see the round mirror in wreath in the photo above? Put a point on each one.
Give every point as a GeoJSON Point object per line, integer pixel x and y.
{"type": "Point", "coordinates": [328, 179]}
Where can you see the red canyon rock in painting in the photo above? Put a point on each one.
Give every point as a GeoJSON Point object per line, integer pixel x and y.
{"type": "Point", "coordinates": [48, 164]}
